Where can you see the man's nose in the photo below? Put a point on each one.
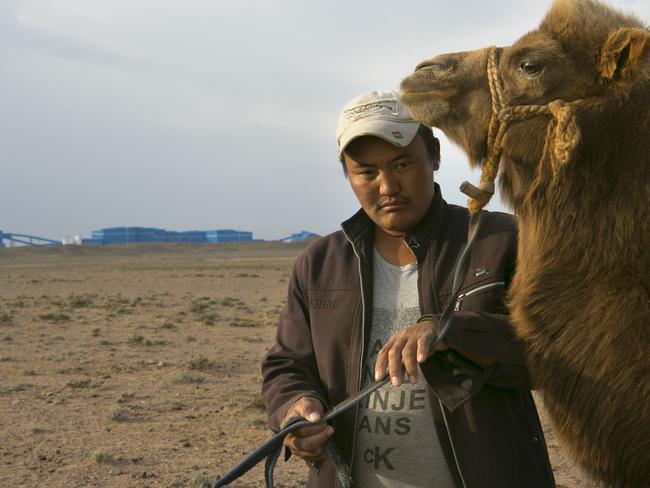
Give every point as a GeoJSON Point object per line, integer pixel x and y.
{"type": "Point", "coordinates": [388, 184]}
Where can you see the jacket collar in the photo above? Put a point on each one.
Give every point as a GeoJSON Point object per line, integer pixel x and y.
{"type": "Point", "coordinates": [360, 228]}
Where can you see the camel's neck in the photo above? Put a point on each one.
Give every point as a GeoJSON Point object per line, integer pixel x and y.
{"type": "Point", "coordinates": [585, 226]}
{"type": "Point", "coordinates": [598, 202]}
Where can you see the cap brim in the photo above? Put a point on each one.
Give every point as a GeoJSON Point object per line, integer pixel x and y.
{"type": "Point", "coordinates": [399, 134]}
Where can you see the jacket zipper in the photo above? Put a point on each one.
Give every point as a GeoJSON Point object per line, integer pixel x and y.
{"type": "Point", "coordinates": [475, 290]}
{"type": "Point", "coordinates": [363, 341]}
{"type": "Point", "coordinates": [451, 442]}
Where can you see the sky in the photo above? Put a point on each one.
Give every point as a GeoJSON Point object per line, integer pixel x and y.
{"type": "Point", "coordinates": [211, 114]}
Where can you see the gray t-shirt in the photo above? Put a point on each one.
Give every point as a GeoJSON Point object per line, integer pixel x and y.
{"type": "Point", "coordinates": [396, 445]}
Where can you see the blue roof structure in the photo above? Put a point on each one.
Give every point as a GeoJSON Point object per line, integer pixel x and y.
{"type": "Point", "coordinates": [125, 235]}
{"type": "Point", "coordinates": [299, 236]}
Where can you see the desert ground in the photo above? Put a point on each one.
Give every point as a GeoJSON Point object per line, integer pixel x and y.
{"type": "Point", "coordinates": [138, 365]}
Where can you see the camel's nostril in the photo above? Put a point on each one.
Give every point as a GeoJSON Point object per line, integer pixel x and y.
{"type": "Point", "coordinates": [423, 64]}
{"type": "Point", "coordinates": [438, 65]}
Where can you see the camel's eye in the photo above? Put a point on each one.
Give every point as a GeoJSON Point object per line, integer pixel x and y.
{"type": "Point", "coordinates": [531, 68]}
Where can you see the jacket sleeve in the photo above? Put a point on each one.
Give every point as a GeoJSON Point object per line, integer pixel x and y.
{"type": "Point", "coordinates": [455, 379]}
{"type": "Point", "coordinates": [289, 368]}
{"type": "Point", "coordinates": [486, 332]}
{"type": "Point", "coordinates": [491, 336]}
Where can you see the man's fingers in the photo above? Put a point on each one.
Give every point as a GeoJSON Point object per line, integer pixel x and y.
{"type": "Point", "coordinates": [309, 447]}
{"type": "Point", "coordinates": [306, 442]}
{"type": "Point", "coordinates": [314, 442]}
{"type": "Point", "coordinates": [409, 360]}
{"type": "Point", "coordinates": [424, 347]}
{"type": "Point", "coordinates": [408, 348]}
{"type": "Point", "coordinates": [310, 430]}
{"type": "Point", "coordinates": [395, 362]}
{"type": "Point", "coordinates": [381, 363]}
{"type": "Point", "coordinates": [290, 442]}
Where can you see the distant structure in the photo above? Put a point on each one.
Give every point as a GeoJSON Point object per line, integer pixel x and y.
{"type": "Point", "coordinates": [227, 235]}
{"type": "Point", "coordinates": [71, 241]}
{"type": "Point", "coordinates": [127, 235]}
{"type": "Point", "coordinates": [13, 238]}
{"type": "Point", "coordinates": [132, 235]}
{"type": "Point", "coordinates": [299, 236]}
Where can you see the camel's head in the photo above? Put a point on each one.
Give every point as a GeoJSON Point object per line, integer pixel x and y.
{"type": "Point", "coordinates": [582, 50]}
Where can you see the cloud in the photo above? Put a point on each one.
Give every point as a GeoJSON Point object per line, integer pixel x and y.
{"type": "Point", "coordinates": [200, 113]}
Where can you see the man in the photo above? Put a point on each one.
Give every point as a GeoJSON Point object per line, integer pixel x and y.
{"type": "Point", "coordinates": [365, 300]}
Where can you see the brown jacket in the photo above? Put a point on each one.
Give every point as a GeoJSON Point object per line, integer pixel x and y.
{"type": "Point", "coordinates": [485, 417]}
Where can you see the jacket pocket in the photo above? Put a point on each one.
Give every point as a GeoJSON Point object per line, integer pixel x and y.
{"type": "Point", "coordinates": [479, 290]}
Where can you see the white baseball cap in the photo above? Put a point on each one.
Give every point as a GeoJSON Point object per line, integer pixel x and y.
{"type": "Point", "coordinates": [376, 113]}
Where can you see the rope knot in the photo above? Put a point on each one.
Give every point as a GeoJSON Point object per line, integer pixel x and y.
{"type": "Point", "coordinates": [565, 134]}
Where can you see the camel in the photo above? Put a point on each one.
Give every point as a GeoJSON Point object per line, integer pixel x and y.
{"type": "Point", "coordinates": [563, 117]}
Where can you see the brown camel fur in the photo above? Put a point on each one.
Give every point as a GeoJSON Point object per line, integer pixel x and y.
{"type": "Point", "coordinates": [577, 173]}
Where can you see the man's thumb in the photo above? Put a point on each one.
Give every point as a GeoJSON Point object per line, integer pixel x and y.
{"type": "Point", "coordinates": [311, 409]}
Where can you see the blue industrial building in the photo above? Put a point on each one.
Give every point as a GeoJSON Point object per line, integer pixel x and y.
{"type": "Point", "coordinates": [126, 235]}
{"type": "Point", "coordinates": [227, 235]}
{"type": "Point", "coordinates": [190, 236]}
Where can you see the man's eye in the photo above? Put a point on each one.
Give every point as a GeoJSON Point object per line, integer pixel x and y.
{"type": "Point", "coordinates": [403, 164]}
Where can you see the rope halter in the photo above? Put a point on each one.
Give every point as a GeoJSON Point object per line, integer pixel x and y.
{"type": "Point", "coordinates": [502, 116]}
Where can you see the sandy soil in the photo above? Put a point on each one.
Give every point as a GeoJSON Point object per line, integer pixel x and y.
{"type": "Point", "coordinates": [138, 366]}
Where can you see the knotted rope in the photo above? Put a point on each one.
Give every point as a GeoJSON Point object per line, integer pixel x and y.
{"type": "Point", "coordinates": [502, 116]}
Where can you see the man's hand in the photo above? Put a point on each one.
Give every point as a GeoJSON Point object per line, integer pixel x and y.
{"type": "Point", "coordinates": [307, 442]}
{"type": "Point", "coordinates": [409, 347]}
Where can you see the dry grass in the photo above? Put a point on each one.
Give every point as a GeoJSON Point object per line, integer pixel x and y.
{"type": "Point", "coordinates": [186, 378]}
{"type": "Point", "coordinates": [137, 366]}
{"type": "Point", "coordinates": [200, 363]}
{"type": "Point", "coordinates": [103, 457]}
{"type": "Point", "coordinates": [6, 316]}
{"type": "Point", "coordinates": [85, 383]}
{"type": "Point", "coordinates": [120, 415]}
{"type": "Point", "coordinates": [246, 323]}
{"type": "Point", "coordinates": [201, 481]}
{"type": "Point", "coordinates": [54, 317]}
{"type": "Point", "coordinates": [81, 301]}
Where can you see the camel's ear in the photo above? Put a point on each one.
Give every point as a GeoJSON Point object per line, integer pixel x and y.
{"type": "Point", "coordinates": [625, 57]}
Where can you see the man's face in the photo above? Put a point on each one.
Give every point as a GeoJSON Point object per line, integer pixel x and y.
{"type": "Point", "coordinates": [394, 185]}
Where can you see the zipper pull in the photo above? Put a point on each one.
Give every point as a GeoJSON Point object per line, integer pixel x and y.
{"type": "Point", "coordinates": [458, 301]}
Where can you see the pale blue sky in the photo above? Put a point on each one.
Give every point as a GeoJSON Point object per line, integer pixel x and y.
{"type": "Point", "coordinates": [204, 114]}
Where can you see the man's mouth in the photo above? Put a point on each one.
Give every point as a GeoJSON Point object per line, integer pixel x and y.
{"type": "Point", "coordinates": [393, 205]}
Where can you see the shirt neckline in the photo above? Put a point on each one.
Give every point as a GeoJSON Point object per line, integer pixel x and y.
{"type": "Point", "coordinates": [401, 269]}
